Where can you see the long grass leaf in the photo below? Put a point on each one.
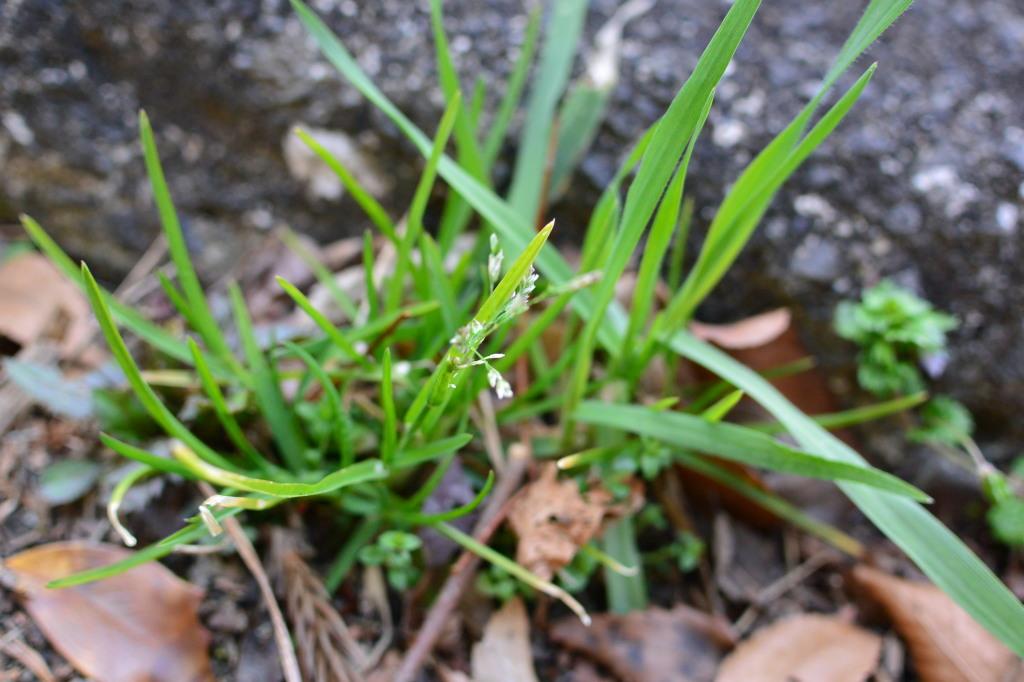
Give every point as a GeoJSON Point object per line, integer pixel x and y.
{"type": "Point", "coordinates": [326, 326]}
{"type": "Point", "coordinates": [934, 548]}
{"type": "Point", "coordinates": [469, 153]}
{"type": "Point", "coordinates": [284, 425]}
{"type": "Point", "coordinates": [146, 395]}
{"type": "Point", "coordinates": [324, 276]}
{"type": "Point", "coordinates": [553, 70]}
{"type": "Point", "coordinates": [360, 472]}
{"type": "Point", "coordinates": [199, 309]}
{"type": "Point", "coordinates": [668, 144]}
{"type": "Point", "coordinates": [726, 239]}
{"type": "Point", "coordinates": [854, 416]}
{"type": "Point", "coordinates": [168, 466]}
{"type": "Point", "coordinates": [736, 443]}
{"type": "Point", "coordinates": [389, 437]}
{"type": "Point", "coordinates": [414, 220]}
{"type": "Point", "coordinates": [771, 502]}
{"type": "Point", "coordinates": [128, 317]}
{"type": "Point", "coordinates": [223, 412]}
{"type": "Point", "coordinates": [191, 533]}
{"type": "Point", "coordinates": [376, 213]}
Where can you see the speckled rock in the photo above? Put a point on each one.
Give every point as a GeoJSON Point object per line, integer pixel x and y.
{"type": "Point", "coordinates": [923, 182]}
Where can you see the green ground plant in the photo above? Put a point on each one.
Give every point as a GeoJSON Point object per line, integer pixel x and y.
{"type": "Point", "coordinates": [897, 331]}
{"type": "Point", "coordinates": [379, 399]}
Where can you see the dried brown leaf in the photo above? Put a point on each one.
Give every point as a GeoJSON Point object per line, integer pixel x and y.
{"type": "Point", "coordinates": [804, 648]}
{"type": "Point", "coordinates": [945, 643]}
{"type": "Point", "coordinates": [553, 520]}
{"type": "Point", "coordinates": [751, 332]}
{"type": "Point", "coordinates": [656, 645]}
{"type": "Point", "coordinates": [37, 302]}
{"type": "Point", "coordinates": [503, 655]}
{"type": "Point", "coordinates": [139, 626]}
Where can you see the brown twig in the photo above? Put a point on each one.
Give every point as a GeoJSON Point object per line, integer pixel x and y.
{"type": "Point", "coordinates": [289, 663]}
{"type": "Point", "coordinates": [463, 570]}
{"type": "Point", "coordinates": [14, 646]}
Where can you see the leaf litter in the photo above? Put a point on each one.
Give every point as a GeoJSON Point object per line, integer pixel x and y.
{"type": "Point", "coordinates": [142, 624]}
{"type": "Point", "coordinates": [553, 519]}
{"type": "Point", "coordinates": [945, 644]}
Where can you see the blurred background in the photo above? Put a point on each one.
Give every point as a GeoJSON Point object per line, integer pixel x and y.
{"type": "Point", "coordinates": [923, 183]}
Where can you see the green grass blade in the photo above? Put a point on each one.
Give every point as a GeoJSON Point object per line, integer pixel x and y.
{"type": "Point", "coordinates": [187, 535]}
{"type": "Point", "coordinates": [855, 416]}
{"type": "Point", "coordinates": [668, 144]}
{"type": "Point", "coordinates": [578, 122]}
{"type": "Point", "coordinates": [675, 266]}
{"type": "Point", "coordinates": [553, 70]}
{"type": "Point", "coordinates": [376, 213]}
{"type": "Point", "coordinates": [341, 425]}
{"type": "Point", "coordinates": [147, 396]}
{"type": "Point", "coordinates": [199, 309]}
{"type": "Point", "coordinates": [326, 326]}
{"type": "Point", "coordinates": [476, 102]}
{"type": "Point", "coordinates": [879, 15]}
{"type": "Point", "coordinates": [369, 267]}
{"type": "Point", "coordinates": [665, 221]}
{"type": "Point", "coordinates": [128, 317]}
{"type": "Point", "coordinates": [223, 412]}
{"type": "Point", "coordinates": [771, 502]}
{"type": "Point", "coordinates": [718, 411]}
{"type": "Point", "coordinates": [465, 134]}
{"type": "Point", "coordinates": [439, 284]}
{"type": "Point", "coordinates": [168, 466]}
{"type": "Point", "coordinates": [734, 225]}
{"type": "Point", "coordinates": [389, 438]}
{"type": "Point", "coordinates": [361, 472]}
{"type": "Point", "coordinates": [457, 512]}
{"type": "Point", "coordinates": [282, 421]}
{"type": "Point", "coordinates": [736, 443]}
{"type": "Point", "coordinates": [176, 298]}
{"type": "Point", "coordinates": [414, 221]}
{"type": "Point", "coordinates": [324, 276]}
{"type": "Point", "coordinates": [934, 548]}
{"type": "Point", "coordinates": [625, 592]}
{"type": "Point", "coordinates": [410, 457]}
{"type": "Point", "coordinates": [456, 213]}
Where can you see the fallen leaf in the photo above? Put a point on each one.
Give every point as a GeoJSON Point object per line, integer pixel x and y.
{"type": "Point", "coordinates": [804, 648]}
{"type": "Point", "coordinates": [765, 342]}
{"type": "Point", "coordinates": [503, 655]}
{"type": "Point", "coordinates": [751, 332]}
{"type": "Point", "coordinates": [47, 386]}
{"type": "Point", "coordinates": [656, 645]}
{"type": "Point", "coordinates": [945, 643]}
{"type": "Point", "coordinates": [139, 626]}
{"type": "Point", "coordinates": [36, 301]}
{"type": "Point", "coordinates": [67, 480]}
{"type": "Point", "coordinates": [553, 520]}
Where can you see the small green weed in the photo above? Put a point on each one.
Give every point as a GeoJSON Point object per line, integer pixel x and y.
{"type": "Point", "coordinates": [896, 331]}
